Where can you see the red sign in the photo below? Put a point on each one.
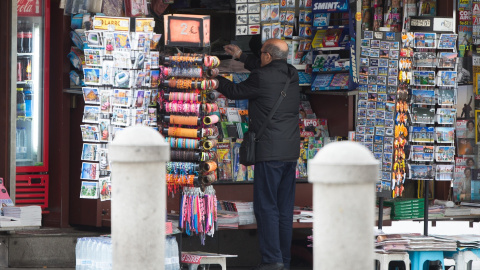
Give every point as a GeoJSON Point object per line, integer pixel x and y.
{"type": "Point", "coordinates": [27, 8]}
{"type": "Point", "coordinates": [190, 258]}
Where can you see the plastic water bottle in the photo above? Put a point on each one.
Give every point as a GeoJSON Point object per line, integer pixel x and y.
{"type": "Point", "coordinates": [109, 256]}
{"type": "Point", "coordinates": [168, 254]}
{"type": "Point", "coordinates": [97, 254]}
{"type": "Point", "coordinates": [89, 253]}
{"type": "Point", "coordinates": [176, 259]}
{"type": "Point", "coordinates": [104, 260]}
{"type": "Point", "coordinates": [79, 253]}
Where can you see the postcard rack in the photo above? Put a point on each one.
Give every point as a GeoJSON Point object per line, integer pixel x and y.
{"type": "Point", "coordinates": [378, 102]}
{"type": "Point", "coordinates": [425, 114]}
{"type": "Point", "coordinates": [121, 76]}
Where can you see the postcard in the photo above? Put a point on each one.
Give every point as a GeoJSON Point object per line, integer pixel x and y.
{"type": "Point", "coordinates": [90, 171]}
{"type": "Point", "coordinates": [89, 190]}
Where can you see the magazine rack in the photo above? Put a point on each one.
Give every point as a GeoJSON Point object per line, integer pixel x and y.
{"type": "Point", "coordinates": [334, 65]}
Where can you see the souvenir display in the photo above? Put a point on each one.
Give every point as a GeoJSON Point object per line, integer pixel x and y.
{"type": "Point", "coordinates": [119, 91]}
{"type": "Point", "coordinates": [386, 112]}
{"type": "Point", "coordinates": [187, 117]}
{"type": "Point", "coordinates": [432, 79]}
{"type": "Point", "coordinates": [202, 220]}
{"type": "Point", "coordinates": [123, 76]}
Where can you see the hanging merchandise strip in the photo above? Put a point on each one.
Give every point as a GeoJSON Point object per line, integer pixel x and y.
{"type": "Point", "coordinates": [182, 167]}
{"type": "Point", "coordinates": [402, 116]}
{"type": "Point", "coordinates": [183, 132]}
{"type": "Point", "coordinates": [185, 155]}
{"type": "Point", "coordinates": [198, 211]}
{"type": "Point", "coordinates": [181, 96]}
{"type": "Point", "coordinates": [180, 107]}
{"type": "Point", "coordinates": [187, 84]}
{"type": "Point", "coordinates": [182, 143]}
{"type": "Point", "coordinates": [176, 181]}
{"type": "Point", "coordinates": [206, 60]}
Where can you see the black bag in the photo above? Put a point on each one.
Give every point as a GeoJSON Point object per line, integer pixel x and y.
{"type": "Point", "coordinates": [247, 148]}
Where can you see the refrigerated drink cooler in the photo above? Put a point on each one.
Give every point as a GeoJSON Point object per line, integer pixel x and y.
{"type": "Point", "coordinates": [32, 83]}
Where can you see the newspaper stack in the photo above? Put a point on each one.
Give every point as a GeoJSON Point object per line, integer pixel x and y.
{"type": "Point", "coordinates": [245, 213]}
{"type": "Point", "coordinates": [391, 243]}
{"type": "Point", "coordinates": [304, 216]}
{"type": "Point", "coordinates": [28, 215]}
{"type": "Point", "coordinates": [426, 243]}
{"type": "Point", "coordinates": [463, 241]}
{"type": "Point", "coordinates": [386, 213]}
{"type": "Point", "coordinates": [457, 211]}
{"type": "Point", "coordinates": [227, 219]}
{"type": "Point", "coordinates": [436, 211]}
{"type": "Point", "coordinates": [9, 222]}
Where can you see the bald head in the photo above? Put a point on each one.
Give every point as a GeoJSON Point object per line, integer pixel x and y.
{"type": "Point", "coordinates": [277, 48]}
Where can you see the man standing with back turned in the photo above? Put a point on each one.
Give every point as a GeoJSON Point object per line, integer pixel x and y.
{"type": "Point", "coordinates": [277, 150]}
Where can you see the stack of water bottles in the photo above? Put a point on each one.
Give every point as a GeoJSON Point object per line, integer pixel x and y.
{"type": "Point", "coordinates": [172, 260]}
{"type": "Point", "coordinates": [94, 253]}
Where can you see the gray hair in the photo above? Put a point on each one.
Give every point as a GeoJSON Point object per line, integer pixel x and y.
{"type": "Point", "coordinates": [275, 51]}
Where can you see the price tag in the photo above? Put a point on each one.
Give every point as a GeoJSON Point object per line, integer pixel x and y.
{"type": "Point", "coordinates": [144, 24]}
{"type": "Point", "coordinates": [105, 22]}
{"type": "Point", "coordinates": [184, 31]}
{"type": "Point", "coordinates": [191, 30]}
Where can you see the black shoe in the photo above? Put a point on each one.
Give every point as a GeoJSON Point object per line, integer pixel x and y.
{"type": "Point", "coordinates": [269, 266]}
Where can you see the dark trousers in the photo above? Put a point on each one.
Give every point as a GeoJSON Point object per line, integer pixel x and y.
{"type": "Point", "coordinates": [273, 199]}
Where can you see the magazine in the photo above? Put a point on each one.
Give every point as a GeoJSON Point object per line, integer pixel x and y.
{"type": "Point", "coordinates": [460, 183]}
{"type": "Point", "coordinates": [224, 160]}
{"type": "Point", "coordinates": [465, 129]}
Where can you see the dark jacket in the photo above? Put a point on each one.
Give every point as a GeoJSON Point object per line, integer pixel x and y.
{"type": "Point", "coordinates": [281, 139]}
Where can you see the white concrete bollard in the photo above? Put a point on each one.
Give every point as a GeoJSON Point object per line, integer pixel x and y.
{"type": "Point", "coordinates": [138, 156]}
{"type": "Point", "coordinates": [343, 175]}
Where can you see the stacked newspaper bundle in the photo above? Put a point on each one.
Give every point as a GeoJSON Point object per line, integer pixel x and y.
{"type": "Point", "coordinates": [300, 215]}
{"type": "Point", "coordinates": [458, 211]}
{"type": "Point", "coordinates": [436, 211]}
{"type": "Point", "coordinates": [391, 243]}
{"type": "Point", "coordinates": [388, 243]}
{"type": "Point", "coordinates": [28, 215]}
{"type": "Point", "coordinates": [244, 210]}
{"type": "Point", "coordinates": [227, 219]}
{"type": "Point", "coordinates": [421, 243]}
{"type": "Point", "coordinates": [463, 241]}
{"type": "Point", "coordinates": [245, 213]}
{"type": "Point", "coordinates": [386, 213]}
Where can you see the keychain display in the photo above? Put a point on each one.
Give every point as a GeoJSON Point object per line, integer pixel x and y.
{"type": "Point", "coordinates": [188, 117]}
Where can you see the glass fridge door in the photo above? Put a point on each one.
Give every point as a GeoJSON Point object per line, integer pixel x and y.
{"type": "Point", "coordinates": [32, 85]}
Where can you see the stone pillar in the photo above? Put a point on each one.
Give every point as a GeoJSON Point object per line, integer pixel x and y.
{"type": "Point", "coordinates": [138, 156]}
{"type": "Point", "coordinates": [343, 175]}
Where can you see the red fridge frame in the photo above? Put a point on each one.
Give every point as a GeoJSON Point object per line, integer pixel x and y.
{"type": "Point", "coordinates": [46, 96]}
